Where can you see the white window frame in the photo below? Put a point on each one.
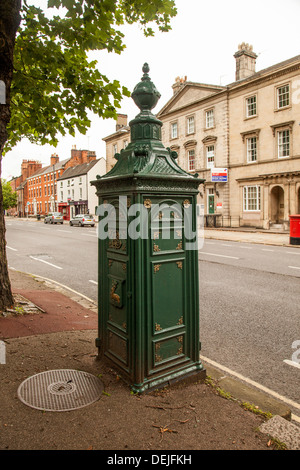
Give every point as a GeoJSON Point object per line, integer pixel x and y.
{"type": "Point", "coordinates": [283, 145]}
{"type": "Point", "coordinates": [283, 91]}
{"type": "Point", "coordinates": [191, 125]}
{"type": "Point", "coordinates": [251, 145]}
{"type": "Point", "coordinates": [251, 198]}
{"type": "Point", "coordinates": [191, 161]}
{"type": "Point", "coordinates": [251, 106]}
{"type": "Point", "coordinates": [115, 149]}
{"type": "Point", "coordinates": [209, 119]}
{"type": "Point", "coordinates": [210, 156]}
{"type": "Point", "coordinates": [174, 130]}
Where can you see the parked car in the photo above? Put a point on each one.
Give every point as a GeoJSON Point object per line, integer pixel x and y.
{"type": "Point", "coordinates": [54, 218]}
{"type": "Point", "coordinates": [83, 219]}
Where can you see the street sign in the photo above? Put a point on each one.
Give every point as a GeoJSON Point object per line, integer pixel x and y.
{"type": "Point", "coordinates": [219, 175]}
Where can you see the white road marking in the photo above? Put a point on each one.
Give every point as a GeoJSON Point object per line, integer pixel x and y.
{"type": "Point", "coordinates": [292, 363]}
{"type": "Point", "coordinates": [266, 249]}
{"type": "Point", "coordinates": [222, 256]}
{"type": "Point", "coordinates": [251, 382]}
{"type": "Point", "coordinates": [246, 247]}
{"type": "Point", "coordinates": [294, 267]}
{"type": "Point", "coordinates": [46, 262]}
{"type": "Point", "coordinates": [93, 282]}
{"type": "Point", "coordinates": [224, 244]}
{"type": "Point", "coordinates": [10, 248]}
{"type": "Point", "coordinates": [293, 253]}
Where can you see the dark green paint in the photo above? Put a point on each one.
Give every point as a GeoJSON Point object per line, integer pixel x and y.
{"type": "Point", "coordinates": [148, 288]}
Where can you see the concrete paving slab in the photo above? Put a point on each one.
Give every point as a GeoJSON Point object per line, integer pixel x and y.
{"type": "Point", "coordinates": [267, 238]}
{"type": "Point", "coordinates": [247, 394]}
{"type": "Point", "coordinates": [283, 430]}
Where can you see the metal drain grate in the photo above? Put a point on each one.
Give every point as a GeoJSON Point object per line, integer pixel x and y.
{"type": "Point", "coordinates": [60, 390]}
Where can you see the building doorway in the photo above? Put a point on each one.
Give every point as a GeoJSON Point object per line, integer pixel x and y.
{"type": "Point", "coordinates": [277, 205]}
{"type": "Point", "coordinates": [211, 201]}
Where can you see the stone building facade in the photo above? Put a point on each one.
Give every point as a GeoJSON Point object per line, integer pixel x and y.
{"type": "Point", "coordinates": [250, 128]}
{"type": "Point", "coordinates": [195, 125]}
{"type": "Point", "coordinates": [264, 168]}
{"type": "Point", "coordinates": [242, 138]}
{"type": "Point", "coordinates": [75, 195]}
{"type": "Point", "coordinates": [116, 141]}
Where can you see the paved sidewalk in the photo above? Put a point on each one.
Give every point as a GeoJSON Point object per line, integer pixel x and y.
{"type": "Point", "coordinates": [249, 236]}
{"type": "Point", "coordinates": [191, 416]}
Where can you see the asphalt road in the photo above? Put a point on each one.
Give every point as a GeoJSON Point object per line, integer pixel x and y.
{"type": "Point", "coordinates": [264, 258]}
{"type": "Point", "coordinates": [65, 254]}
{"type": "Point", "coordinates": [249, 296]}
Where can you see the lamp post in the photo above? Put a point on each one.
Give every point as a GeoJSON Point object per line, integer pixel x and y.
{"type": "Point", "coordinates": [148, 258]}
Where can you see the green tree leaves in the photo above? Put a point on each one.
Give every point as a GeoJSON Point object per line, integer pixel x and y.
{"type": "Point", "coordinates": [55, 85]}
{"type": "Point", "coordinates": [10, 198]}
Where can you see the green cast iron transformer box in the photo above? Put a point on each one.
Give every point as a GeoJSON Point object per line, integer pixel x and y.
{"type": "Point", "coordinates": [148, 258]}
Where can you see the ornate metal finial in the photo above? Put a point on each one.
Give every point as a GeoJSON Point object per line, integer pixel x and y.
{"type": "Point", "coordinates": [145, 95]}
{"type": "Point", "coordinates": [146, 70]}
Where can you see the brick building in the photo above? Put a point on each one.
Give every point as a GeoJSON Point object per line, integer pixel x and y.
{"type": "Point", "coordinates": [42, 185]}
{"type": "Point", "coordinates": [19, 184]}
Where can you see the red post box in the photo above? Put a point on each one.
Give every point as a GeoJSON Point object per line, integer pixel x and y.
{"type": "Point", "coordinates": [295, 229]}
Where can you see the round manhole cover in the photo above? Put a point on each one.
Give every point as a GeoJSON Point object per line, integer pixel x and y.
{"type": "Point", "coordinates": [60, 390]}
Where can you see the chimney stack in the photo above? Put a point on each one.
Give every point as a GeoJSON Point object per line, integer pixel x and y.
{"type": "Point", "coordinates": [28, 167]}
{"type": "Point", "coordinates": [245, 61]}
{"type": "Point", "coordinates": [121, 121]}
{"type": "Point", "coordinates": [54, 159]}
{"type": "Point", "coordinates": [179, 82]}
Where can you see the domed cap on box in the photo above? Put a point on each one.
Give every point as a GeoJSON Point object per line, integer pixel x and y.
{"type": "Point", "coordinates": [145, 94]}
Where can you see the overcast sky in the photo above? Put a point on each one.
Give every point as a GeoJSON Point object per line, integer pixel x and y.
{"type": "Point", "coordinates": [204, 37]}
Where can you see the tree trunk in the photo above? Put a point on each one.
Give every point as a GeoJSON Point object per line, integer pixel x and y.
{"type": "Point", "coordinates": [9, 23]}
